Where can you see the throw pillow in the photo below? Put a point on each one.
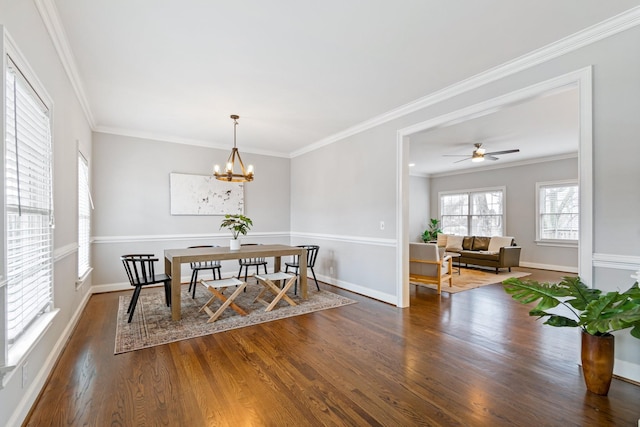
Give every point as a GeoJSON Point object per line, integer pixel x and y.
{"type": "Point", "coordinates": [467, 243]}
{"type": "Point", "coordinates": [454, 243]}
{"type": "Point", "coordinates": [498, 242]}
{"type": "Point", "coordinates": [442, 240]}
{"type": "Point", "coordinates": [480, 243]}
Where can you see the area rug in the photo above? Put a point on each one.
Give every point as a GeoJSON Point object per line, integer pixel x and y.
{"type": "Point", "coordinates": [152, 325]}
{"type": "Point", "coordinates": [470, 278]}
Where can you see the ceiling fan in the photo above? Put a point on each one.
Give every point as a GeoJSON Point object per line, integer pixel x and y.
{"type": "Point", "coordinates": [479, 154]}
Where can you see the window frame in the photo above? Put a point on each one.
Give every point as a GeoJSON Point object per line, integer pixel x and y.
{"type": "Point", "coordinates": [84, 211]}
{"type": "Point", "coordinates": [469, 216]}
{"type": "Point", "coordinates": [12, 357]}
{"type": "Point", "coordinates": [554, 242]}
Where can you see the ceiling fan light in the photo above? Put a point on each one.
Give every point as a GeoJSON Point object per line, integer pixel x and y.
{"type": "Point", "coordinates": [477, 159]}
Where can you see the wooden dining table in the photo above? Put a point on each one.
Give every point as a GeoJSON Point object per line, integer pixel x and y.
{"type": "Point", "coordinates": [174, 258]}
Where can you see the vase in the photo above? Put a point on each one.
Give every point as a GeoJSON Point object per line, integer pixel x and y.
{"type": "Point", "coordinates": [234, 244]}
{"type": "Point", "coordinates": [597, 362]}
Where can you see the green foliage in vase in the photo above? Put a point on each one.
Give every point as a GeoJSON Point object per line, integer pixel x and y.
{"type": "Point", "coordinates": [432, 232]}
{"type": "Point", "coordinates": [595, 312]}
{"type": "Point", "coordinates": [237, 224]}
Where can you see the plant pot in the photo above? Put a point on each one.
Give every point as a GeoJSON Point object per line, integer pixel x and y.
{"type": "Point", "coordinates": [234, 244]}
{"type": "Point", "coordinates": [597, 362]}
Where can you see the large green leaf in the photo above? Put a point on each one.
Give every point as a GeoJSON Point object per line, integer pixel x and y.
{"type": "Point", "coordinates": [596, 313]}
{"type": "Point", "coordinates": [528, 291]}
{"type": "Point", "coordinates": [580, 294]}
{"type": "Point", "coordinates": [611, 312]}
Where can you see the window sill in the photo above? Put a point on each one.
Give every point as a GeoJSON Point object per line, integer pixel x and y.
{"type": "Point", "coordinates": [83, 278]}
{"type": "Point", "coordinates": [558, 243]}
{"type": "Point", "coordinates": [20, 350]}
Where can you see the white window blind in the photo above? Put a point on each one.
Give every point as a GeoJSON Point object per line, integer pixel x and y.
{"type": "Point", "coordinates": [84, 216]}
{"type": "Point", "coordinates": [28, 204]}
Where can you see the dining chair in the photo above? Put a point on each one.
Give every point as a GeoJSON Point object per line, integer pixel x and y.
{"type": "Point", "coordinates": [312, 254]}
{"type": "Point", "coordinates": [140, 270]}
{"type": "Point", "coordinates": [250, 262]}
{"type": "Point", "coordinates": [203, 265]}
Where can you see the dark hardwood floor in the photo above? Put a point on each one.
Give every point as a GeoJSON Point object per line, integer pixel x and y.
{"type": "Point", "coordinates": [471, 359]}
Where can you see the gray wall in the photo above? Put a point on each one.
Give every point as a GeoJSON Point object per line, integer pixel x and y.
{"type": "Point", "coordinates": [420, 211]}
{"type": "Point", "coordinates": [520, 183]}
{"type": "Point", "coordinates": [70, 132]}
{"type": "Point", "coordinates": [132, 199]}
{"type": "Point", "coordinates": [352, 197]}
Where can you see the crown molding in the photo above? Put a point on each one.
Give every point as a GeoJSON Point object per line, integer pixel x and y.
{"type": "Point", "coordinates": [590, 35]}
{"type": "Point", "coordinates": [179, 140]}
{"type": "Point", "coordinates": [51, 19]}
{"type": "Point", "coordinates": [503, 165]}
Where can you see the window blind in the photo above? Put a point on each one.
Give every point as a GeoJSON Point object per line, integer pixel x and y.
{"type": "Point", "coordinates": [28, 204]}
{"type": "Point", "coordinates": [84, 216]}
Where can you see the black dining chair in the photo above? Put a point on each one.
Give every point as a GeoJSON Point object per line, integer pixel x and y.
{"type": "Point", "coordinates": [140, 270]}
{"type": "Point", "coordinates": [203, 265]}
{"type": "Point", "coordinates": [250, 262]}
{"type": "Point", "coordinates": [312, 254]}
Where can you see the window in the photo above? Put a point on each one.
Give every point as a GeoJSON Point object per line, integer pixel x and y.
{"type": "Point", "coordinates": [28, 205]}
{"type": "Point", "coordinates": [558, 213]}
{"type": "Point", "coordinates": [84, 218]}
{"type": "Point", "coordinates": [473, 212]}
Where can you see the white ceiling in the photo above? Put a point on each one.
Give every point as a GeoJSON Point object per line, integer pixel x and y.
{"type": "Point", "coordinates": [297, 72]}
{"type": "Point", "coordinates": [543, 127]}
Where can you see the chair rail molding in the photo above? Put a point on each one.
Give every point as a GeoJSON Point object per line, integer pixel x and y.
{"type": "Point", "coordinates": [347, 239]}
{"type": "Point", "coordinates": [617, 262]}
{"type": "Point", "coordinates": [181, 237]}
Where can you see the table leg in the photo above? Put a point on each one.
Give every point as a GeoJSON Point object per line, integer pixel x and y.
{"type": "Point", "coordinates": [303, 275]}
{"type": "Point", "coordinates": [176, 303]}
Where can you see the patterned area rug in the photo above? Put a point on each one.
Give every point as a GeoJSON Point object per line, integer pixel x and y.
{"type": "Point", "coordinates": [471, 278]}
{"type": "Point", "coordinates": [152, 325]}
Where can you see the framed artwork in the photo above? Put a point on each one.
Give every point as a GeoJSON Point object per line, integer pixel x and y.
{"type": "Point", "coordinates": [205, 195]}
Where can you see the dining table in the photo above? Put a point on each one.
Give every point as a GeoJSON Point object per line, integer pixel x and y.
{"type": "Point", "coordinates": [174, 258]}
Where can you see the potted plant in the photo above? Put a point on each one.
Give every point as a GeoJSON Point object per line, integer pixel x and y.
{"type": "Point", "coordinates": [597, 314]}
{"type": "Point", "coordinates": [432, 232]}
{"type": "Point", "coordinates": [238, 224]}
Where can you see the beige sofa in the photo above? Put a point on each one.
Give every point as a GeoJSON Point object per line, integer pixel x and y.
{"type": "Point", "coordinates": [496, 252]}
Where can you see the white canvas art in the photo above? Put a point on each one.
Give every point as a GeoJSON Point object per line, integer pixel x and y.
{"type": "Point", "coordinates": [205, 195]}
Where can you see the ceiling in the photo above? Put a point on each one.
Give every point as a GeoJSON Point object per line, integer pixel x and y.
{"type": "Point", "coordinates": [299, 72]}
{"type": "Point", "coordinates": [541, 128]}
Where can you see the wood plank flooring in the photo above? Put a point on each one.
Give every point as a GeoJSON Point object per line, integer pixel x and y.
{"type": "Point", "coordinates": [469, 359]}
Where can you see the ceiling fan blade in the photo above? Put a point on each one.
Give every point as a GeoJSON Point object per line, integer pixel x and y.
{"type": "Point", "coordinates": [493, 153]}
{"type": "Point", "coordinates": [462, 160]}
{"type": "Point", "coordinates": [486, 156]}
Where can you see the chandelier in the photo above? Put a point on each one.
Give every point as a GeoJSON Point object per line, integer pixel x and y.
{"type": "Point", "coordinates": [228, 173]}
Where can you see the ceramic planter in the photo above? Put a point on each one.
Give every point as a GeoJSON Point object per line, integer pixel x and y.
{"type": "Point", "coordinates": [234, 244]}
{"type": "Point", "coordinates": [597, 362]}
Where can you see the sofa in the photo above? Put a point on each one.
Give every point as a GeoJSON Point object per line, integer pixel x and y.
{"type": "Point", "coordinates": [496, 251]}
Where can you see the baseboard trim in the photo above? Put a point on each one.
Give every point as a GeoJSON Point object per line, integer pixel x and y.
{"type": "Point", "coordinates": [627, 371]}
{"type": "Point", "coordinates": [32, 393]}
{"type": "Point", "coordinates": [352, 287]}
{"type": "Point", "coordinates": [551, 267]}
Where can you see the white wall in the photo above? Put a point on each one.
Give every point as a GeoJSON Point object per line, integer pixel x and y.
{"type": "Point", "coordinates": [132, 199]}
{"type": "Point", "coordinates": [70, 130]}
{"type": "Point", "coordinates": [520, 183]}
